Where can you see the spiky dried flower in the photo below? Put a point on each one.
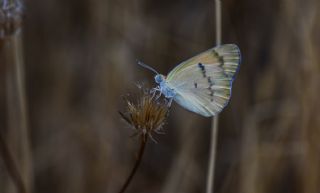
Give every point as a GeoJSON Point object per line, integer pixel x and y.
{"type": "Point", "coordinates": [146, 115]}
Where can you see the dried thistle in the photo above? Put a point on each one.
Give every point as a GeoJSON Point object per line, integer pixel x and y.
{"type": "Point", "coordinates": [147, 115]}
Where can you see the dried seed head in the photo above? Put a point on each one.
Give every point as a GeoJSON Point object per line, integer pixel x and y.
{"type": "Point", "coordinates": [148, 114]}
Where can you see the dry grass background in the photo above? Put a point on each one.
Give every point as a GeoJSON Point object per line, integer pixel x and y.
{"type": "Point", "coordinates": [79, 59]}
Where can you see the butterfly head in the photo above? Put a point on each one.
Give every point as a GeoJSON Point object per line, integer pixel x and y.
{"type": "Point", "coordinates": [159, 78]}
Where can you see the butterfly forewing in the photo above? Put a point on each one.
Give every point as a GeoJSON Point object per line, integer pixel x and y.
{"type": "Point", "coordinates": [203, 83]}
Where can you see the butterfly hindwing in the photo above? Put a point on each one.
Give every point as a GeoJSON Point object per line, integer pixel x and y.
{"type": "Point", "coordinates": [226, 56]}
{"type": "Point", "coordinates": [203, 83]}
{"type": "Point", "coordinates": [204, 93]}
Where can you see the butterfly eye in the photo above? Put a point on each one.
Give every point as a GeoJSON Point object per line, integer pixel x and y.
{"type": "Point", "coordinates": [158, 78]}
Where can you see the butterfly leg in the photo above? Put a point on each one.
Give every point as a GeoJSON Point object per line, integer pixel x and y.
{"type": "Point", "coordinates": [169, 101]}
{"type": "Point", "coordinates": [153, 91]}
{"type": "Point", "coordinates": [159, 95]}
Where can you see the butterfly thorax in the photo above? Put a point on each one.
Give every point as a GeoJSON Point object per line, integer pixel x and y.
{"type": "Point", "coordinates": [165, 89]}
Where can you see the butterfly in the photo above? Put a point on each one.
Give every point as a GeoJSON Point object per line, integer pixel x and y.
{"type": "Point", "coordinates": [203, 83]}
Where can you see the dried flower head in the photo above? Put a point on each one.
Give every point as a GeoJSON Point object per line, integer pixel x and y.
{"type": "Point", "coordinates": [146, 115]}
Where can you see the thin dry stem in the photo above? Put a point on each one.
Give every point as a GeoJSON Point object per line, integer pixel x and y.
{"type": "Point", "coordinates": [212, 156]}
{"type": "Point", "coordinates": [136, 165]}
{"type": "Point", "coordinates": [214, 130]}
{"type": "Point", "coordinates": [147, 115]}
{"type": "Point", "coordinates": [11, 166]}
{"type": "Point", "coordinates": [11, 56]}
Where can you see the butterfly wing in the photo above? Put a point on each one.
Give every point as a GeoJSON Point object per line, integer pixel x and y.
{"type": "Point", "coordinates": [203, 83]}
{"type": "Point", "coordinates": [226, 56]}
{"type": "Point", "coordinates": [203, 94]}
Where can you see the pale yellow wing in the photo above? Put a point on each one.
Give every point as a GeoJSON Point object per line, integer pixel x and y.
{"type": "Point", "coordinates": [203, 83]}
{"type": "Point", "coordinates": [226, 56]}
{"type": "Point", "coordinates": [203, 89]}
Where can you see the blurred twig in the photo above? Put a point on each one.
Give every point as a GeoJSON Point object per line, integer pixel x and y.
{"type": "Point", "coordinates": [136, 165]}
{"type": "Point", "coordinates": [17, 134]}
{"type": "Point", "coordinates": [11, 166]}
{"type": "Point", "coordinates": [210, 177]}
{"type": "Point", "coordinates": [11, 55]}
{"type": "Point", "coordinates": [218, 22]}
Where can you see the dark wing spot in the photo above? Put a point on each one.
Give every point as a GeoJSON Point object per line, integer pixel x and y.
{"type": "Point", "coordinates": [210, 82]}
{"type": "Point", "coordinates": [195, 85]}
{"type": "Point", "coordinates": [220, 58]}
{"type": "Point", "coordinates": [203, 70]}
{"type": "Point", "coordinates": [210, 89]}
{"type": "Point", "coordinates": [201, 66]}
{"type": "Point", "coordinates": [211, 94]}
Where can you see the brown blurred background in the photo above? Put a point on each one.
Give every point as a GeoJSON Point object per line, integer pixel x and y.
{"type": "Point", "coordinates": [79, 60]}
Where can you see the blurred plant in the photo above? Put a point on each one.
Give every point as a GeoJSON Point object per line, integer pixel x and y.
{"type": "Point", "coordinates": [215, 119]}
{"type": "Point", "coordinates": [147, 115]}
{"type": "Point", "coordinates": [11, 165]}
{"type": "Point", "coordinates": [14, 141]}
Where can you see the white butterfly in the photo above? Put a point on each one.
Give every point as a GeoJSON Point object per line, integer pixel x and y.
{"type": "Point", "coordinates": [203, 83]}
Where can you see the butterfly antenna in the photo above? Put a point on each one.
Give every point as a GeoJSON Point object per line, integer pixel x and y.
{"type": "Point", "coordinates": [146, 66]}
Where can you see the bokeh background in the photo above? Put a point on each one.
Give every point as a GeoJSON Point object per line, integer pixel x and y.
{"type": "Point", "coordinates": [78, 59]}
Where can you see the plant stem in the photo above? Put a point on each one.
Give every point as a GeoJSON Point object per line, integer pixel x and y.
{"type": "Point", "coordinates": [214, 129]}
{"type": "Point", "coordinates": [14, 142]}
{"type": "Point", "coordinates": [211, 168]}
{"type": "Point", "coordinates": [218, 22]}
{"type": "Point", "coordinates": [11, 166]}
{"type": "Point", "coordinates": [16, 136]}
{"type": "Point", "coordinates": [136, 165]}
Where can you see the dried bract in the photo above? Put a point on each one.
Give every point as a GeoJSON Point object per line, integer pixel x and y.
{"type": "Point", "coordinates": [148, 114]}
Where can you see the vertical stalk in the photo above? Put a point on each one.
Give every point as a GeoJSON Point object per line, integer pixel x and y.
{"type": "Point", "coordinates": [11, 166]}
{"type": "Point", "coordinates": [17, 136]}
{"type": "Point", "coordinates": [214, 126]}
{"type": "Point", "coordinates": [15, 145]}
{"type": "Point", "coordinates": [136, 165]}
{"type": "Point", "coordinates": [218, 22]}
